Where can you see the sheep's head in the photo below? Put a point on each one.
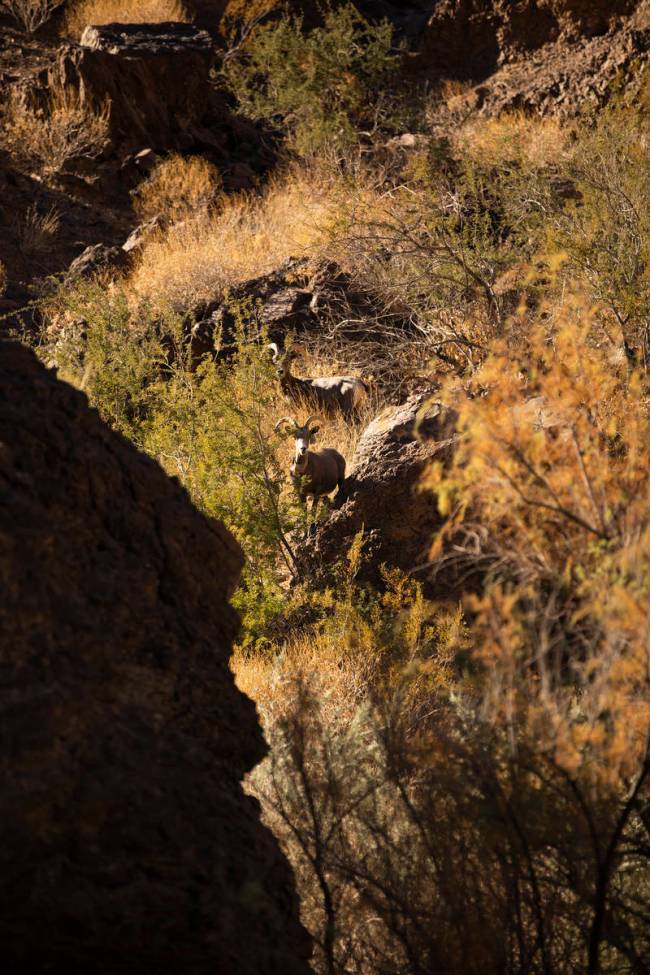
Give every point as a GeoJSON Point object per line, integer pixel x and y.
{"type": "Point", "coordinates": [282, 360]}
{"type": "Point", "coordinates": [303, 436]}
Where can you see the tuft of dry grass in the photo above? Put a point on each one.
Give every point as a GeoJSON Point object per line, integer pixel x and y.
{"type": "Point", "coordinates": [270, 680]}
{"type": "Point", "coordinates": [206, 254]}
{"type": "Point", "coordinates": [4, 278]}
{"type": "Point", "coordinates": [178, 187]}
{"type": "Point", "coordinates": [514, 137]}
{"type": "Point", "coordinates": [46, 139]}
{"type": "Point", "coordinates": [94, 12]}
{"type": "Point", "coordinates": [31, 14]}
{"type": "Point", "coordinates": [37, 231]}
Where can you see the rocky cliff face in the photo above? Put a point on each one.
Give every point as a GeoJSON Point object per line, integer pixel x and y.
{"type": "Point", "coordinates": [128, 844]}
{"type": "Point", "coordinates": [471, 38]}
{"type": "Point", "coordinates": [561, 57]}
{"type": "Point", "coordinates": [154, 76]}
{"type": "Point", "coordinates": [381, 492]}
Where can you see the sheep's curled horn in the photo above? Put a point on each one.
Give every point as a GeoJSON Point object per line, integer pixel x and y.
{"type": "Point", "coordinates": [285, 419]}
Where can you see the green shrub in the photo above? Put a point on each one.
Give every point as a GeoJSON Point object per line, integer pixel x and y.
{"type": "Point", "coordinates": [211, 426]}
{"type": "Point", "coordinates": [605, 232]}
{"type": "Point", "coordinates": [323, 86]}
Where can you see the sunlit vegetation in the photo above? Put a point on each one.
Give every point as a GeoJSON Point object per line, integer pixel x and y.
{"type": "Point", "coordinates": [178, 187]}
{"type": "Point", "coordinates": [46, 138]}
{"type": "Point", "coordinates": [323, 87]}
{"type": "Point", "coordinates": [213, 249]}
{"type": "Point", "coordinates": [81, 13]}
{"type": "Point", "coordinates": [461, 783]}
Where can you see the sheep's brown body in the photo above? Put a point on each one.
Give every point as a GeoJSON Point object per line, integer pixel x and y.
{"type": "Point", "coordinates": [319, 473]}
{"type": "Point", "coordinates": [328, 394]}
{"type": "Point", "coordinates": [315, 473]}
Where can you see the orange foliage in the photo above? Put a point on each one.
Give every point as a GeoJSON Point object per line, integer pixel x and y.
{"type": "Point", "coordinates": [550, 482]}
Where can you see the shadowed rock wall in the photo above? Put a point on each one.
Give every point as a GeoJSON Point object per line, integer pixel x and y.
{"type": "Point", "coordinates": [472, 38]}
{"type": "Point", "coordinates": [128, 844]}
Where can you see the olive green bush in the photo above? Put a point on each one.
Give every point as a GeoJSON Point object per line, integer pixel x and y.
{"type": "Point", "coordinates": [210, 424]}
{"type": "Point", "coordinates": [322, 87]}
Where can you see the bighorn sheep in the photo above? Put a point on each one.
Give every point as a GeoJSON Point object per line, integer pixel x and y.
{"type": "Point", "coordinates": [328, 393]}
{"type": "Point", "coordinates": [315, 473]}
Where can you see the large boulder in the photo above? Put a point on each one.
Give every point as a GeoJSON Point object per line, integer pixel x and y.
{"type": "Point", "coordinates": [315, 300]}
{"type": "Point", "coordinates": [128, 842]}
{"type": "Point", "coordinates": [156, 77]}
{"type": "Point", "coordinates": [97, 258]}
{"type": "Point", "coordinates": [382, 492]}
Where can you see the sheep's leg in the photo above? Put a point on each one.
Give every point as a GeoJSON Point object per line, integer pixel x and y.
{"type": "Point", "coordinates": [314, 505]}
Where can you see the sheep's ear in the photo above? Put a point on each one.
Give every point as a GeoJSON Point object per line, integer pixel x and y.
{"type": "Point", "coordinates": [274, 350]}
{"type": "Point", "coordinates": [314, 431]}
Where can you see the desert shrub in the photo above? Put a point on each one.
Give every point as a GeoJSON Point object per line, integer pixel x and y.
{"type": "Point", "coordinates": [548, 489]}
{"type": "Point", "coordinates": [323, 86]}
{"type": "Point", "coordinates": [433, 250]}
{"type": "Point", "coordinates": [219, 438]}
{"type": "Point", "coordinates": [31, 14]}
{"type": "Point", "coordinates": [210, 424]}
{"type": "Point", "coordinates": [246, 237]}
{"type": "Point", "coordinates": [99, 342]}
{"type": "Point", "coordinates": [178, 187]}
{"type": "Point", "coordinates": [605, 230]}
{"type": "Point", "coordinates": [427, 832]}
{"type": "Point", "coordinates": [514, 138]}
{"type": "Point", "coordinates": [47, 139]}
{"type": "Point", "coordinates": [38, 230]}
{"type": "Point", "coordinates": [85, 12]}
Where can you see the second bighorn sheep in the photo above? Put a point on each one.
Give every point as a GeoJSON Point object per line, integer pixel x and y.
{"type": "Point", "coordinates": [331, 394]}
{"type": "Point", "coordinates": [315, 473]}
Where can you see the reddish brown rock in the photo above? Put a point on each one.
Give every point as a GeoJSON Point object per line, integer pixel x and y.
{"type": "Point", "coordinates": [470, 39]}
{"type": "Point", "coordinates": [382, 495]}
{"type": "Point", "coordinates": [128, 843]}
{"type": "Point", "coordinates": [155, 76]}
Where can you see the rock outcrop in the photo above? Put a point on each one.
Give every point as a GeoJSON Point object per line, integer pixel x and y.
{"type": "Point", "coordinates": [381, 491]}
{"type": "Point", "coordinates": [471, 38]}
{"type": "Point", "coordinates": [156, 77]}
{"type": "Point", "coordinates": [555, 56]}
{"type": "Point", "coordinates": [568, 80]}
{"type": "Point", "coordinates": [128, 843]}
{"type": "Point", "coordinates": [97, 258]}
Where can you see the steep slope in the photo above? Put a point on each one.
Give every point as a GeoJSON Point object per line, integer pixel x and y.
{"type": "Point", "coordinates": [129, 845]}
{"type": "Point", "coordinates": [563, 57]}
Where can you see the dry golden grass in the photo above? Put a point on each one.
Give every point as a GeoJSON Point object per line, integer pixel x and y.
{"type": "Point", "coordinates": [458, 96]}
{"type": "Point", "coordinates": [342, 669]}
{"type": "Point", "coordinates": [4, 278]}
{"type": "Point", "coordinates": [177, 187]}
{"type": "Point", "coordinates": [46, 139]}
{"type": "Point", "coordinates": [250, 236]}
{"type": "Point", "coordinates": [37, 231]}
{"type": "Point", "coordinates": [514, 137]}
{"type": "Point", "coordinates": [94, 12]}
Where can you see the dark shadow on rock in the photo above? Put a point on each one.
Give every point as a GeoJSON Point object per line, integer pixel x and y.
{"type": "Point", "coordinates": [128, 842]}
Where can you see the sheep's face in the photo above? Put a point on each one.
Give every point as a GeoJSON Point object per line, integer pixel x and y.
{"type": "Point", "coordinates": [282, 361]}
{"type": "Point", "coordinates": [303, 437]}
{"type": "Point", "coordinates": [283, 365]}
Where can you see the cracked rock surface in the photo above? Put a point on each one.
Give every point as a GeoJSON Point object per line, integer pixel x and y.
{"type": "Point", "coordinates": [128, 842]}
